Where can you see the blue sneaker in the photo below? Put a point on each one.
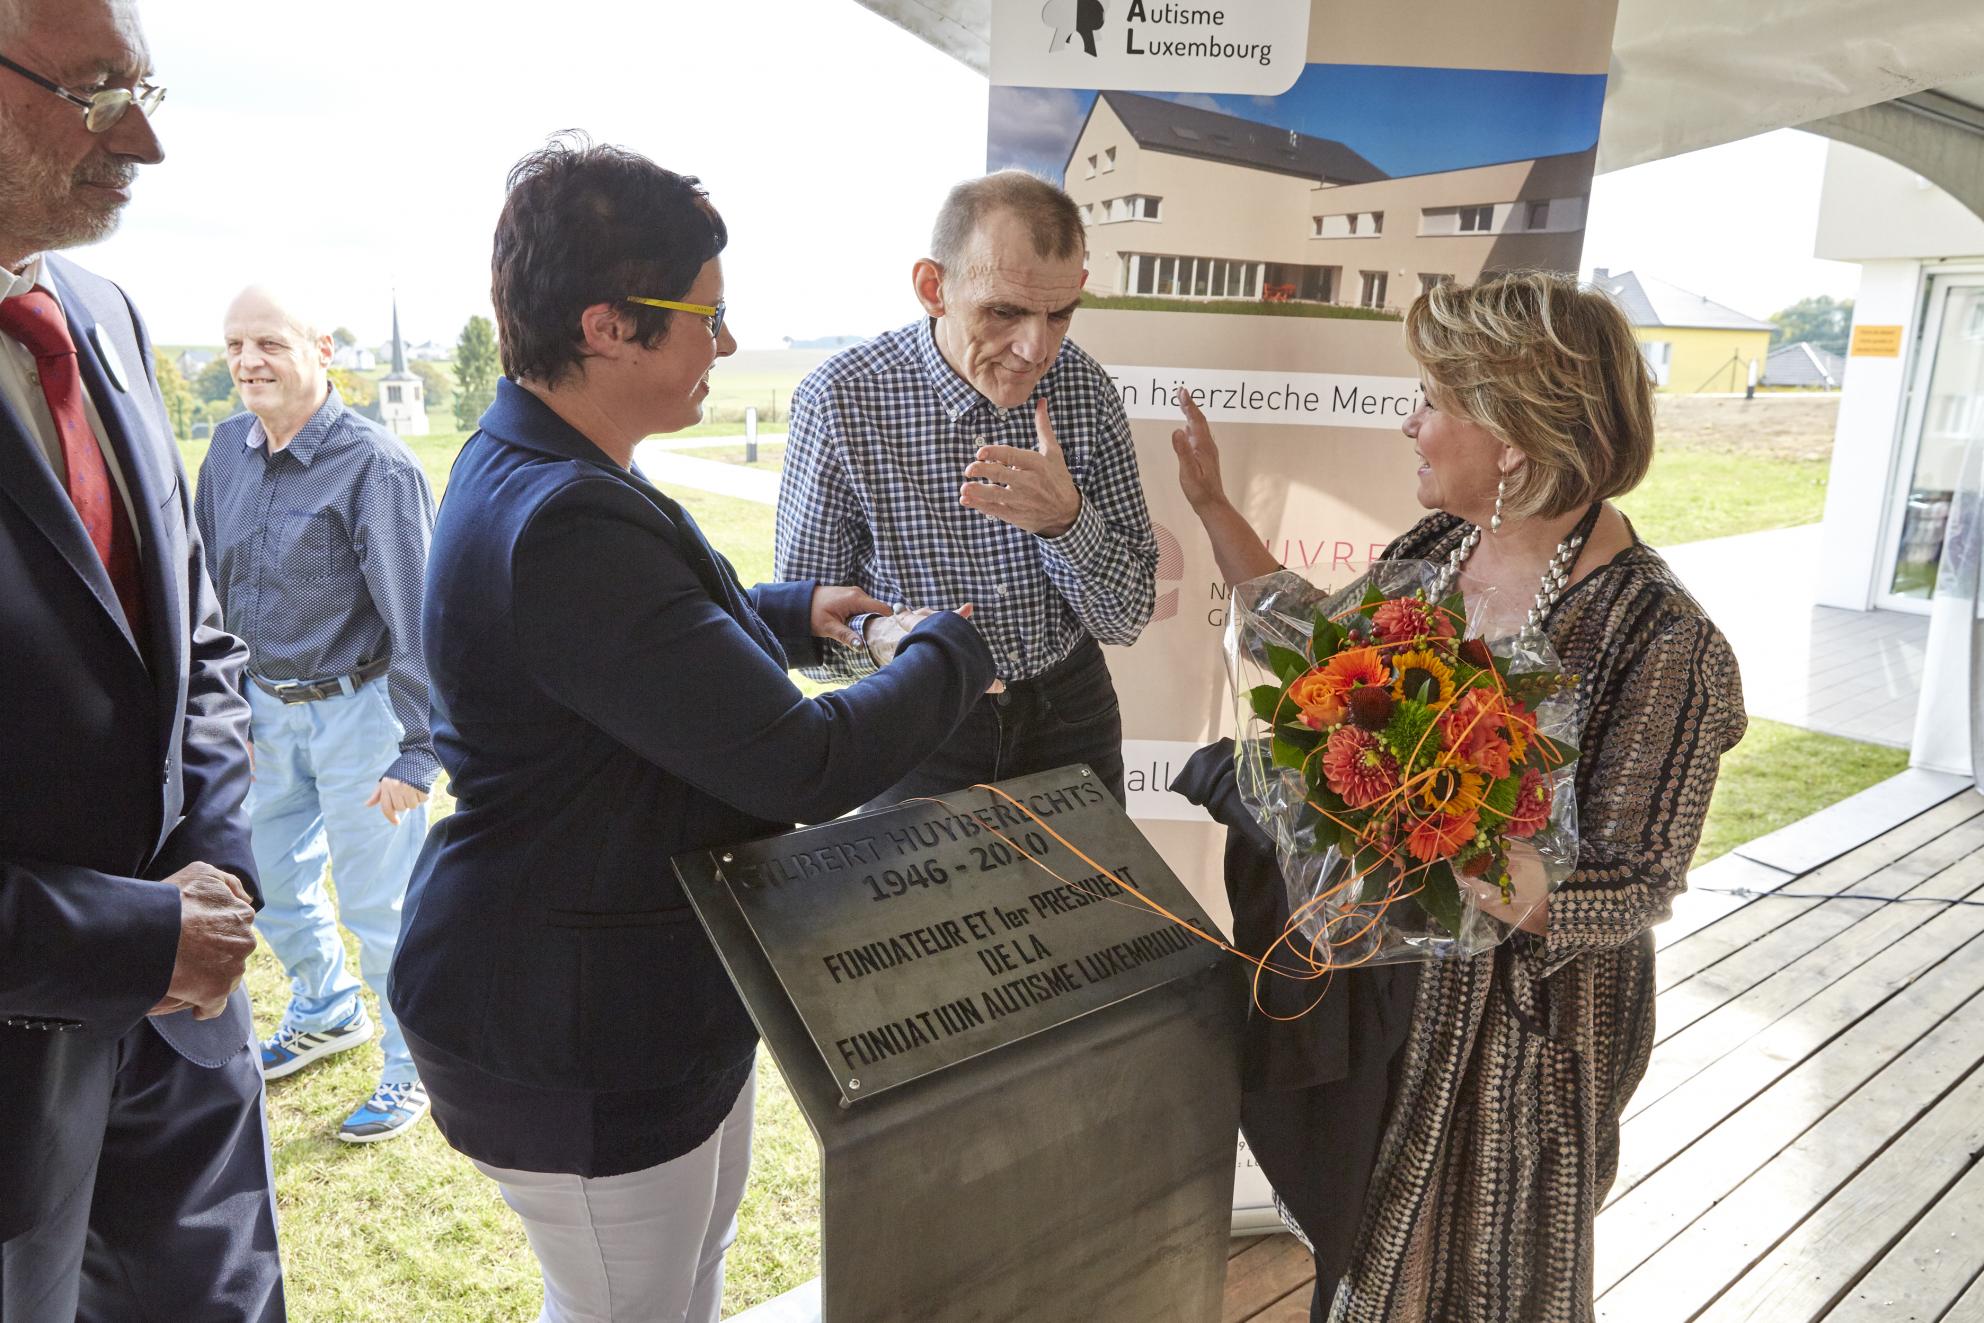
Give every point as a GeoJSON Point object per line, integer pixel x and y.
{"type": "Point", "coordinates": [391, 1110]}
{"type": "Point", "coordinates": [290, 1050]}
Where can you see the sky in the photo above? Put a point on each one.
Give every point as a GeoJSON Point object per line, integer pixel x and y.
{"type": "Point", "coordinates": [345, 152]}
{"type": "Point", "coordinates": [1483, 116]}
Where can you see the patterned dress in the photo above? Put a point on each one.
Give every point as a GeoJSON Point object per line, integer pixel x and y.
{"type": "Point", "coordinates": [1504, 1133]}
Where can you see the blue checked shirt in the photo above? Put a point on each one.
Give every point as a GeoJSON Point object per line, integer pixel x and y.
{"type": "Point", "coordinates": [318, 552]}
{"type": "Point", "coordinates": [880, 437]}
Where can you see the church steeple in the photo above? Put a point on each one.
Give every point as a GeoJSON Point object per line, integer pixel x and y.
{"type": "Point", "coordinates": [402, 395]}
{"type": "Point", "coordinates": [399, 345]}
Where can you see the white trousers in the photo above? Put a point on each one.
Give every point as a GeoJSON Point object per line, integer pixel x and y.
{"type": "Point", "coordinates": [644, 1247]}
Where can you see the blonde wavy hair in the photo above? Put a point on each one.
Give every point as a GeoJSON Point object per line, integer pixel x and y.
{"type": "Point", "coordinates": [1550, 367]}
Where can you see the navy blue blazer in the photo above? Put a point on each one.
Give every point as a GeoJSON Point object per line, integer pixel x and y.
{"type": "Point", "coordinates": [121, 761]}
{"type": "Point", "coordinates": [606, 696]}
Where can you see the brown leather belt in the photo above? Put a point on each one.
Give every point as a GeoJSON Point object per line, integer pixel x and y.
{"type": "Point", "coordinates": [309, 691]}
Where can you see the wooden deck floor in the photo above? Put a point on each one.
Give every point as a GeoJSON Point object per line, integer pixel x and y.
{"type": "Point", "coordinates": [1805, 1145]}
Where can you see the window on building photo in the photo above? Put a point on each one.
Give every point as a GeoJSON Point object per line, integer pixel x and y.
{"type": "Point", "coordinates": [1372, 294]}
{"type": "Point", "coordinates": [1377, 222]}
{"type": "Point", "coordinates": [1477, 220]}
{"type": "Point", "coordinates": [1428, 279]}
{"type": "Point", "coordinates": [1539, 216]}
{"type": "Point", "coordinates": [1108, 159]}
{"type": "Point", "coordinates": [1091, 167]}
{"type": "Point", "coordinates": [392, 394]}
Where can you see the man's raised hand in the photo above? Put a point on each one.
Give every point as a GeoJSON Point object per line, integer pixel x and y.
{"type": "Point", "coordinates": [1029, 489]}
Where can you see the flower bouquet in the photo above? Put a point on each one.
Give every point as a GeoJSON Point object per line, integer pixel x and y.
{"type": "Point", "coordinates": [1392, 751]}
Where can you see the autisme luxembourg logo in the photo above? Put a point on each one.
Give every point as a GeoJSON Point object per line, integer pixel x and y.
{"type": "Point", "coordinates": [1257, 47]}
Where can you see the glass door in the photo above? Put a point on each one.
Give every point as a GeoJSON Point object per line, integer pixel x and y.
{"type": "Point", "coordinates": [1947, 411]}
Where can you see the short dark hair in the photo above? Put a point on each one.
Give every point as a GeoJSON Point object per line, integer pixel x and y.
{"type": "Point", "coordinates": [586, 224]}
{"type": "Point", "coordinates": [1053, 221]}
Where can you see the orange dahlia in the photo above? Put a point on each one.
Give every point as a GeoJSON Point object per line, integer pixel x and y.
{"type": "Point", "coordinates": [1532, 810]}
{"type": "Point", "coordinates": [1359, 768]}
{"type": "Point", "coordinates": [1441, 835]}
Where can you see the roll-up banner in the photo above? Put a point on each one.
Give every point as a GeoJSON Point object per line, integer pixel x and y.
{"type": "Point", "coordinates": [1267, 185]}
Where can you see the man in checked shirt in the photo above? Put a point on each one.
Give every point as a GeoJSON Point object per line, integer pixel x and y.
{"type": "Point", "coordinates": [316, 522]}
{"type": "Point", "coordinates": [977, 455]}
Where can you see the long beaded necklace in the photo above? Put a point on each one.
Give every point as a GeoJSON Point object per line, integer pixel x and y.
{"type": "Point", "coordinates": [1556, 575]}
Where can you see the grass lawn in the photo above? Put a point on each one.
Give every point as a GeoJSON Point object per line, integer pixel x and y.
{"type": "Point", "coordinates": [1723, 466]}
{"type": "Point", "coordinates": [771, 455]}
{"type": "Point", "coordinates": [1692, 493]}
{"type": "Point", "coordinates": [1779, 774]}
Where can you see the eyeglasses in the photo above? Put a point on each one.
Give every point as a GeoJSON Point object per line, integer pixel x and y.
{"type": "Point", "coordinates": [103, 107]}
{"type": "Point", "coordinates": [714, 314]}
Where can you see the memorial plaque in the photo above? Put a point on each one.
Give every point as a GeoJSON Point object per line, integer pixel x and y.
{"type": "Point", "coordinates": [924, 935]}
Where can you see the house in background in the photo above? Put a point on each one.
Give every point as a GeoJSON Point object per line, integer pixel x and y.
{"type": "Point", "coordinates": [354, 358]}
{"type": "Point", "coordinates": [191, 361]}
{"type": "Point", "coordinates": [1691, 343]}
{"type": "Point", "coordinates": [1804, 365]}
{"type": "Point", "coordinates": [1164, 188]}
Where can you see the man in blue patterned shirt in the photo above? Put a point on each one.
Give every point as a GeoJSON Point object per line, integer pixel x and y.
{"type": "Point", "coordinates": [976, 455]}
{"type": "Point", "coordinates": [316, 522]}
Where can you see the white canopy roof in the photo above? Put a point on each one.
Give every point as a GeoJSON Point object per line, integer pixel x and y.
{"type": "Point", "coordinates": [1693, 73]}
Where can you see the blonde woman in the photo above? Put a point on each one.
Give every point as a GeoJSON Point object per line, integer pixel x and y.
{"type": "Point", "coordinates": [1503, 1133]}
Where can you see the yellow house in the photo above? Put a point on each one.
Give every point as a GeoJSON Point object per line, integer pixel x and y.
{"type": "Point", "coordinates": [1691, 343]}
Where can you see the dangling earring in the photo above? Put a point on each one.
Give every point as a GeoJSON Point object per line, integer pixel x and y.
{"type": "Point", "coordinates": [1501, 490]}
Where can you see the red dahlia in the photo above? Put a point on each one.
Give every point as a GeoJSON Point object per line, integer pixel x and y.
{"type": "Point", "coordinates": [1358, 768]}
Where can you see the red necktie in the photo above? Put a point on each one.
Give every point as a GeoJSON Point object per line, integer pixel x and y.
{"type": "Point", "coordinates": [35, 319]}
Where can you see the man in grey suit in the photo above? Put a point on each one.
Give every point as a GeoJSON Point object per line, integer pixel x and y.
{"type": "Point", "coordinates": [134, 1169]}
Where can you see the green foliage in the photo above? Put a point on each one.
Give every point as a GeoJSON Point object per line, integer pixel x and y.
{"type": "Point", "coordinates": [1402, 734]}
{"type": "Point", "coordinates": [1439, 895]}
{"type": "Point", "coordinates": [179, 401]}
{"type": "Point", "coordinates": [360, 392]}
{"type": "Point", "coordinates": [476, 369]}
{"type": "Point", "coordinates": [1286, 663]}
{"type": "Point", "coordinates": [1824, 321]}
{"type": "Point", "coordinates": [1500, 801]}
{"type": "Point", "coordinates": [1291, 748]}
{"type": "Point", "coordinates": [213, 411]}
{"type": "Point", "coordinates": [434, 381]}
{"type": "Point", "coordinates": [215, 382]}
{"type": "Point", "coordinates": [1329, 637]}
{"type": "Point", "coordinates": [343, 338]}
{"type": "Point", "coordinates": [1266, 699]}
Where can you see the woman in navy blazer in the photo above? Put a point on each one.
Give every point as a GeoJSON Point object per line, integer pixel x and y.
{"type": "Point", "coordinates": [607, 696]}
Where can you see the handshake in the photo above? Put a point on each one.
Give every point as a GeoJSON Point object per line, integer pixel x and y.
{"type": "Point", "coordinates": [883, 627]}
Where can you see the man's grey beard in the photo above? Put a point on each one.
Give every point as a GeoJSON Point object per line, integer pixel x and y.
{"type": "Point", "coordinates": [42, 207]}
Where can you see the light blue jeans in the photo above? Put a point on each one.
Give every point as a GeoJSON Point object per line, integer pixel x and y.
{"type": "Point", "coordinates": [315, 766]}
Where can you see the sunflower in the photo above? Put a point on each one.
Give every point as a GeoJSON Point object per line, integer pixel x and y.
{"type": "Point", "coordinates": [1414, 668]}
{"type": "Point", "coordinates": [1451, 787]}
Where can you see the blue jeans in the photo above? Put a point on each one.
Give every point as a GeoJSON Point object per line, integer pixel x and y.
{"type": "Point", "coordinates": [315, 766]}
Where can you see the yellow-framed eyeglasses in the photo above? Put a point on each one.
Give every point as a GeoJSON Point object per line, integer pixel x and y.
{"type": "Point", "coordinates": [714, 313]}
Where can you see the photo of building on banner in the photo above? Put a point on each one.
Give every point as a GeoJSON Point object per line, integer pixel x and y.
{"type": "Point", "coordinates": [1265, 189]}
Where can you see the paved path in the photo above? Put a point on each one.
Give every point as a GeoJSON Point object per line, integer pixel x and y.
{"type": "Point", "coordinates": [1851, 673]}
{"type": "Point", "coordinates": [668, 469]}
